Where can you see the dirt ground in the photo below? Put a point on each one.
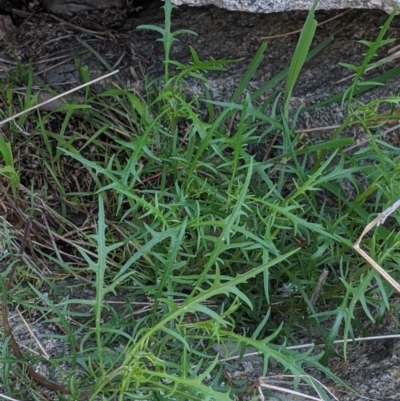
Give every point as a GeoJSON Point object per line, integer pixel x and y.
{"type": "Point", "coordinates": [104, 41]}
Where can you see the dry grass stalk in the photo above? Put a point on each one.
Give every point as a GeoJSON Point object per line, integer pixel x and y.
{"type": "Point", "coordinates": [376, 222]}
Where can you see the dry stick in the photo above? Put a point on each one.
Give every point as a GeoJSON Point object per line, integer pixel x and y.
{"type": "Point", "coordinates": [79, 28]}
{"type": "Point", "coordinates": [311, 345]}
{"type": "Point", "coordinates": [299, 30]}
{"type": "Point", "coordinates": [4, 397]}
{"type": "Point", "coordinates": [380, 219]}
{"type": "Point", "coordinates": [280, 379]}
{"type": "Point", "coordinates": [333, 127]}
{"type": "Point", "coordinates": [57, 97]}
{"type": "Point", "coordinates": [366, 141]}
{"type": "Point", "coordinates": [318, 288]}
{"type": "Point", "coordinates": [32, 334]}
{"type": "Point", "coordinates": [286, 391]}
{"type": "Point", "coordinates": [387, 59]}
{"type": "Point", "coordinates": [348, 341]}
{"type": "Point", "coordinates": [350, 148]}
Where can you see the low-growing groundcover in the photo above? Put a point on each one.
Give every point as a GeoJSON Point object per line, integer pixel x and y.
{"type": "Point", "coordinates": [156, 197]}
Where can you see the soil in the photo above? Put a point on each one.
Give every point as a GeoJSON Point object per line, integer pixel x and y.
{"type": "Point", "coordinates": [57, 47]}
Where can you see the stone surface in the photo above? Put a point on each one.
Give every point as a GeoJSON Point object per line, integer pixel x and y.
{"type": "Point", "coordinates": [255, 6]}
{"type": "Point", "coordinates": [265, 6]}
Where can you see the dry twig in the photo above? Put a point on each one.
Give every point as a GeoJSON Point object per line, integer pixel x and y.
{"type": "Point", "coordinates": [380, 219]}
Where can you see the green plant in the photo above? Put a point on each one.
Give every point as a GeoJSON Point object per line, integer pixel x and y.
{"type": "Point", "coordinates": [8, 170]}
{"type": "Point", "coordinates": [210, 237]}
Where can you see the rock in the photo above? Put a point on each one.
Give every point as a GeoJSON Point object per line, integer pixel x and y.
{"type": "Point", "coordinates": [264, 6]}
{"type": "Point", "coordinates": [74, 6]}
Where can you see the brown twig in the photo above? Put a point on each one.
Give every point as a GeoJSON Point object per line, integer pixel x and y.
{"type": "Point", "coordinates": [96, 34]}
{"type": "Point", "coordinates": [299, 30]}
{"type": "Point", "coordinates": [12, 118]}
{"type": "Point", "coordinates": [380, 219]}
{"type": "Point", "coordinates": [318, 288]}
